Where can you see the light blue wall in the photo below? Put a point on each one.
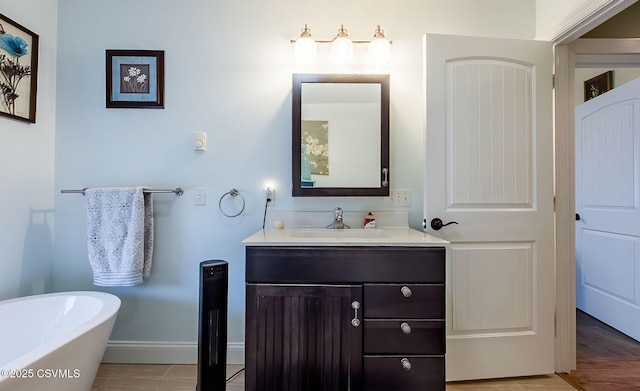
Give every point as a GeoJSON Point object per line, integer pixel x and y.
{"type": "Point", "coordinates": [228, 72]}
{"type": "Point", "coordinates": [26, 166]}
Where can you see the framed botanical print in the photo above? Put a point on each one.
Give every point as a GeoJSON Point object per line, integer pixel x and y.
{"type": "Point", "coordinates": [598, 85]}
{"type": "Point", "coordinates": [135, 79]}
{"type": "Point", "coordinates": [18, 70]}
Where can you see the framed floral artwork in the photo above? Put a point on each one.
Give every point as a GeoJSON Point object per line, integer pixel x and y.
{"type": "Point", "coordinates": [135, 79]}
{"type": "Point", "coordinates": [315, 138]}
{"type": "Point", "coordinates": [598, 85]}
{"type": "Point", "coordinates": [18, 71]}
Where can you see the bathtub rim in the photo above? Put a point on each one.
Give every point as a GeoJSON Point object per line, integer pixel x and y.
{"type": "Point", "coordinates": [110, 307]}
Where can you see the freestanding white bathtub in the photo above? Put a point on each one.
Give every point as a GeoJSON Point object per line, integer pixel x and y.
{"type": "Point", "coordinates": [55, 341]}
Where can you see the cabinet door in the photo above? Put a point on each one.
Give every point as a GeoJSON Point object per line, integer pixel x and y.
{"type": "Point", "coordinates": [301, 337]}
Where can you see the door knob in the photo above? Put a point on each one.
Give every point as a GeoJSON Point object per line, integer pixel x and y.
{"type": "Point", "coordinates": [436, 223]}
{"type": "Point", "coordinates": [577, 216]}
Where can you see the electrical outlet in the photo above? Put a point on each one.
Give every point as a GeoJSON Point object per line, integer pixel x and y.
{"type": "Point", "coordinates": [270, 194]}
{"type": "Point", "coordinates": [399, 197]}
{"type": "Point", "coordinates": [404, 197]}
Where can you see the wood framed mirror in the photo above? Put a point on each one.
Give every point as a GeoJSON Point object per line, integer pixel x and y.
{"type": "Point", "coordinates": [340, 135]}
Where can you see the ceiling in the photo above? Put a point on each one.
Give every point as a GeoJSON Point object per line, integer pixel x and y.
{"type": "Point", "coordinates": [623, 25]}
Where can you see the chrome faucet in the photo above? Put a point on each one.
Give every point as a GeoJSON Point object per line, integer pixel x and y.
{"type": "Point", "coordinates": [337, 222]}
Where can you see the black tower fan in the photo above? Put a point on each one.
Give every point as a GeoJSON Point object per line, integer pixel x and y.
{"type": "Point", "coordinates": [212, 326]}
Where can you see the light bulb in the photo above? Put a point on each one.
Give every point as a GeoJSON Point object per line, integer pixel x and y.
{"type": "Point", "coordinates": [304, 49]}
{"type": "Point", "coordinates": [342, 47]}
{"type": "Point", "coordinates": [380, 47]}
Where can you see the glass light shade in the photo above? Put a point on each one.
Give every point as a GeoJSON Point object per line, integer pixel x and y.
{"type": "Point", "coordinates": [342, 49]}
{"type": "Point", "coordinates": [380, 50]}
{"type": "Point", "coordinates": [305, 49]}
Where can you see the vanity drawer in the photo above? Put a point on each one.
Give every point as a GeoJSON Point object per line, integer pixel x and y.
{"type": "Point", "coordinates": [399, 373]}
{"type": "Point", "coordinates": [404, 301]}
{"type": "Point", "coordinates": [345, 264]}
{"type": "Point", "coordinates": [404, 337]}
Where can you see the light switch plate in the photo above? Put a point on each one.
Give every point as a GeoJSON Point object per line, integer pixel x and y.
{"type": "Point", "coordinates": [200, 196]}
{"type": "Point", "coordinates": [399, 197]}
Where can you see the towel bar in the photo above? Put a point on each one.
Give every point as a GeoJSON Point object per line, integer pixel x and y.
{"type": "Point", "coordinates": [177, 191]}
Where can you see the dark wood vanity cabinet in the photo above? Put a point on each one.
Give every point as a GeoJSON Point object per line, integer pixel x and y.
{"type": "Point", "coordinates": [300, 337]}
{"type": "Point", "coordinates": [345, 318]}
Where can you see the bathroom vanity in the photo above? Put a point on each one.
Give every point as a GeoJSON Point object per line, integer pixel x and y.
{"type": "Point", "coordinates": [345, 310]}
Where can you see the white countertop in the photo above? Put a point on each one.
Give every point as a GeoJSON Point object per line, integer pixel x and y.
{"type": "Point", "coordinates": [387, 236]}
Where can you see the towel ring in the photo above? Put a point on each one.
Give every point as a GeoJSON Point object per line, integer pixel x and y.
{"type": "Point", "coordinates": [232, 193]}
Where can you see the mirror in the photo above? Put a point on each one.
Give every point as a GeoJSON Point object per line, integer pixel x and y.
{"type": "Point", "coordinates": [340, 135]}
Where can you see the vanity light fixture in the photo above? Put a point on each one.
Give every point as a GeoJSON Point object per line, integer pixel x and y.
{"type": "Point", "coordinates": [342, 46]}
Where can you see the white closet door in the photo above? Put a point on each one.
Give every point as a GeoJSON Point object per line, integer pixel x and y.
{"type": "Point", "coordinates": [608, 200]}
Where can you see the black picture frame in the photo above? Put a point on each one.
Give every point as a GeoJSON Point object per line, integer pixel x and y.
{"type": "Point", "coordinates": [18, 71]}
{"type": "Point", "coordinates": [598, 85]}
{"type": "Point", "coordinates": [135, 79]}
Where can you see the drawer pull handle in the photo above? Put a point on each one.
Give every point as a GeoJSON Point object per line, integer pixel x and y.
{"type": "Point", "coordinates": [406, 291]}
{"type": "Point", "coordinates": [406, 364]}
{"type": "Point", "coordinates": [405, 328]}
{"type": "Point", "coordinates": [355, 322]}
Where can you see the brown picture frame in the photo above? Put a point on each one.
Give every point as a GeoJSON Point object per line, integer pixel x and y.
{"type": "Point", "coordinates": [598, 85]}
{"type": "Point", "coordinates": [18, 71]}
{"type": "Point", "coordinates": [135, 79]}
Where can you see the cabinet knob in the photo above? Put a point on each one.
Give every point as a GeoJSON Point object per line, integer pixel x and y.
{"type": "Point", "coordinates": [406, 364]}
{"type": "Point", "coordinates": [405, 328]}
{"type": "Point", "coordinates": [406, 291]}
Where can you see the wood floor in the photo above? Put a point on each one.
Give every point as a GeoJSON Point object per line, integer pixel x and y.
{"type": "Point", "coordinates": [607, 360]}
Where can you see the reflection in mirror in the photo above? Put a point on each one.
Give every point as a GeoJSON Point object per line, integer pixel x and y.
{"type": "Point", "coordinates": [340, 135]}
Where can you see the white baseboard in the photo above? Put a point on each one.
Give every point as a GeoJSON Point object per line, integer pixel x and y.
{"type": "Point", "coordinates": [143, 352]}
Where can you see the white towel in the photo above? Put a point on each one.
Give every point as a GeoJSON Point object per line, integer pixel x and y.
{"type": "Point", "coordinates": [119, 235]}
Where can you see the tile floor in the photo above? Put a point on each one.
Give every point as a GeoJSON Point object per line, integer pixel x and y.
{"type": "Point", "coordinates": [147, 377]}
{"type": "Point", "coordinates": [144, 377]}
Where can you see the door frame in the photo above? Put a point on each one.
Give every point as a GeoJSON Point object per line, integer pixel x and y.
{"type": "Point", "coordinates": [565, 52]}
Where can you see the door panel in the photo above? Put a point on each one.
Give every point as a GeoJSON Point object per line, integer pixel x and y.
{"type": "Point", "coordinates": [608, 155]}
{"type": "Point", "coordinates": [616, 276]}
{"type": "Point", "coordinates": [489, 167]}
{"type": "Point", "coordinates": [498, 290]}
{"type": "Point", "coordinates": [607, 199]}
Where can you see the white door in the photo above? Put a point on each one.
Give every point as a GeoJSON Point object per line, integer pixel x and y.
{"type": "Point", "coordinates": [489, 167]}
{"type": "Point", "coordinates": [608, 202]}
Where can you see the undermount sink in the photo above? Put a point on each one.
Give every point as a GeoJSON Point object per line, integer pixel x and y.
{"type": "Point", "coordinates": [338, 233]}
